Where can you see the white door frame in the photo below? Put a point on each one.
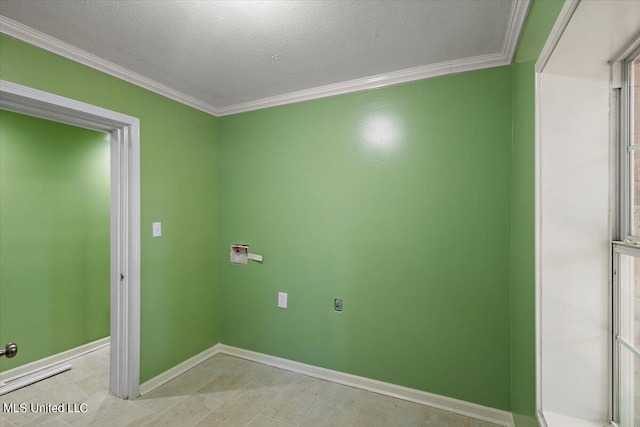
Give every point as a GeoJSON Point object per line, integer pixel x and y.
{"type": "Point", "coordinates": [124, 376]}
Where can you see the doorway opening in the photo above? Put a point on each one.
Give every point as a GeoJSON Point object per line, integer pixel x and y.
{"type": "Point", "coordinates": [124, 381]}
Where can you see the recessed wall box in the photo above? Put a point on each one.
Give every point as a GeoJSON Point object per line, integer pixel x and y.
{"type": "Point", "coordinates": [239, 254]}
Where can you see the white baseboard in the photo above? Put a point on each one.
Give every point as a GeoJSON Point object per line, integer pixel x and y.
{"type": "Point", "coordinates": [26, 380]}
{"type": "Point", "coordinates": [48, 362]}
{"type": "Point", "coordinates": [556, 420]}
{"type": "Point", "coordinates": [178, 370]}
{"type": "Point", "coordinates": [541, 421]}
{"type": "Point", "coordinates": [468, 409]}
{"type": "Point", "coordinates": [473, 410]}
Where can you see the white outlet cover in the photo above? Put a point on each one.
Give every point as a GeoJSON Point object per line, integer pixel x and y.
{"type": "Point", "coordinates": [282, 299]}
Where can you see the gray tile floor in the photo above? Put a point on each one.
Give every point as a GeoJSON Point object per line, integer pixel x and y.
{"type": "Point", "coordinates": [222, 391]}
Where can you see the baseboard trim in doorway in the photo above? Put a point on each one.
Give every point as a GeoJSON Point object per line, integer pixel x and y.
{"type": "Point", "coordinates": [51, 361]}
{"type": "Point", "coordinates": [178, 370]}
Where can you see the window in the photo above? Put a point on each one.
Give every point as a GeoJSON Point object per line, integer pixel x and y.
{"type": "Point", "coordinates": [626, 256]}
{"type": "Point", "coordinates": [630, 137]}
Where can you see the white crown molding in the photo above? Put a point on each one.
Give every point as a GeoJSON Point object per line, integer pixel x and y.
{"type": "Point", "coordinates": [504, 57]}
{"type": "Point", "coordinates": [516, 21]}
{"type": "Point", "coordinates": [373, 82]}
{"type": "Point", "coordinates": [514, 27]}
{"type": "Point", "coordinates": [53, 45]}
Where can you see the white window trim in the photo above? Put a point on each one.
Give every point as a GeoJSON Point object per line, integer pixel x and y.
{"type": "Point", "coordinates": [622, 124]}
{"type": "Point", "coordinates": [619, 249]}
{"type": "Point", "coordinates": [625, 146]}
{"type": "Point", "coordinates": [555, 61]}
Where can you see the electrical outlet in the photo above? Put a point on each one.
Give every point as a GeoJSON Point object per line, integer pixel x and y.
{"type": "Point", "coordinates": [282, 299]}
{"type": "Point", "coordinates": [337, 305]}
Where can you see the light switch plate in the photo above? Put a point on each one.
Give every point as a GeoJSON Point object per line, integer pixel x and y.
{"type": "Point", "coordinates": [157, 229]}
{"type": "Point", "coordinates": [282, 299]}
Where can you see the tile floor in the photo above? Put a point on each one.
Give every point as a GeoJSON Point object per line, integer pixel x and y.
{"type": "Point", "coordinates": [222, 391]}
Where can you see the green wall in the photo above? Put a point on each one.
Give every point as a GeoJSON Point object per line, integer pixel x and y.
{"type": "Point", "coordinates": [541, 18]}
{"type": "Point", "coordinates": [396, 200]}
{"type": "Point", "coordinates": [421, 220]}
{"type": "Point", "coordinates": [54, 236]}
{"type": "Point", "coordinates": [179, 284]}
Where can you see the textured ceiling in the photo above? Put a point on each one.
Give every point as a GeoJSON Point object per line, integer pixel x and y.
{"type": "Point", "coordinates": [226, 53]}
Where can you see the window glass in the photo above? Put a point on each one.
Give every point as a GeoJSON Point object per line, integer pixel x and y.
{"type": "Point", "coordinates": [629, 390]}
{"type": "Point", "coordinates": [626, 315]}
{"type": "Point", "coordinates": [629, 332]}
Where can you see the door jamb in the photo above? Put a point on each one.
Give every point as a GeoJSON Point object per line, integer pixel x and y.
{"type": "Point", "coordinates": [124, 376]}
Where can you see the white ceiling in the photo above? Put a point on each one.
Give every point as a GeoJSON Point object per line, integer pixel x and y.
{"type": "Point", "coordinates": [229, 56]}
